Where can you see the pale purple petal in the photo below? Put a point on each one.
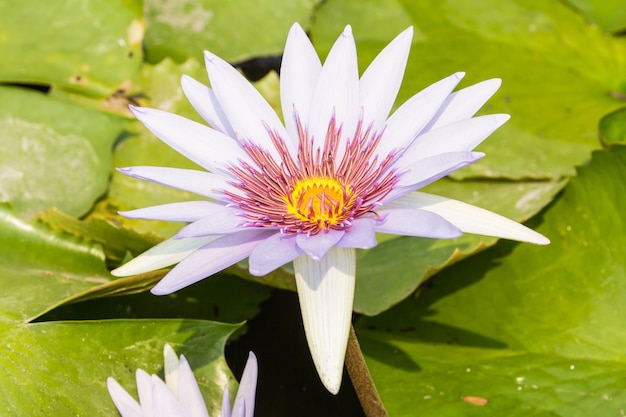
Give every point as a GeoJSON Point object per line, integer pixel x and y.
{"type": "Point", "coordinates": [299, 71]}
{"type": "Point", "coordinates": [361, 234]}
{"type": "Point", "coordinates": [144, 389]}
{"type": "Point", "coordinates": [247, 389]}
{"type": "Point", "coordinates": [125, 403]}
{"type": "Point", "coordinates": [336, 94]}
{"type": "Point", "coordinates": [469, 218]}
{"type": "Point", "coordinates": [272, 253]}
{"type": "Point", "coordinates": [226, 403]}
{"type": "Point", "coordinates": [203, 99]}
{"type": "Point", "coordinates": [317, 245]}
{"type": "Point", "coordinates": [189, 394]}
{"type": "Point", "coordinates": [164, 254]}
{"type": "Point", "coordinates": [198, 182]}
{"type": "Point", "coordinates": [381, 81]}
{"type": "Point", "coordinates": [164, 403]}
{"type": "Point", "coordinates": [220, 222]}
{"type": "Point", "coordinates": [248, 112]}
{"type": "Point", "coordinates": [210, 259]}
{"type": "Point", "coordinates": [427, 170]}
{"type": "Point", "coordinates": [416, 223]}
{"type": "Point", "coordinates": [464, 135]}
{"type": "Point", "coordinates": [199, 143]}
{"type": "Point", "coordinates": [326, 292]}
{"type": "Point", "coordinates": [187, 211]}
{"type": "Point", "coordinates": [410, 118]}
{"type": "Point", "coordinates": [464, 103]}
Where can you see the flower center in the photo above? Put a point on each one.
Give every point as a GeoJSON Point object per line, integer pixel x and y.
{"type": "Point", "coordinates": [322, 201]}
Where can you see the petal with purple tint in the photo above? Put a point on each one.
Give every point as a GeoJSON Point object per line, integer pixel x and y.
{"type": "Point", "coordinates": [247, 388]}
{"type": "Point", "coordinates": [299, 71]}
{"type": "Point", "coordinates": [203, 100]}
{"type": "Point", "coordinates": [249, 114]}
{"type": "Point", "coordinates": [209, 259]}
{"type": "Point", "coordinates": [198, 182]}
{"type": "Point", "coordinates": [124, 402]}
{"type": "Point", "coordinates": [273, 253]}
{"type": "Point", "coordinates": [326, 292]}
{"type": "Point", "coordinates": [379, 84]}
{"type": "Point", "coordinates": [317, 245]}
{"type": "Point", "coordinates": [464, 103]}
{"type": "Point", "coordinates": [469, 218]}
{"type": "Point", "coordinates": [226, 403]}
{"type": "Point", "coordinates": [361, 235]}
{"type": "Point", "coordinates": [416, 222]}
{"type": "Point", "coordinates": [165, 404]}
{"type": "Point", "coordinates": [464, 135]}
{"type": "Point", "coordinates": [186, 211]}
{"type": "Point", "coordinates": [199, 143]}
{"type": "Point", "coordinates": [164, 254]}
{"type": "Point", "coordinates": [188, 392]}
{"type": "Point", "coordinates": [144, 390]}
{"type": "Point", "coordinates": [336, 94]}
{"type": "Point", "coordinates": [220, 222]}
{"type": "Point", "coordinates": [409, 119]}
{"type": "Point", "coordinates": [427, 170]}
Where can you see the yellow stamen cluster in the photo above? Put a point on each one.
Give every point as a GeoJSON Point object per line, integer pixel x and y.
{"type": "Point", "coordinates": [321, 201]}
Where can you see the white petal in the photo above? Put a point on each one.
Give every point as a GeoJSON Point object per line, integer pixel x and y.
{"type": "Point", "coordinates": [203, 99]}
{"type": "Point", "coordinates": [220, 222]}
{"type": "Point", "coordinates": [164, 403]}
{"type": "Point", "coordinates": [248, 112]}
{"type": "Point", "coordinates": [247, 388]}
{"type": "Point", "coordinates": [326, 293]}
{"type": "Point", "coordinates": [464, 103]}
{"type": "Point", "coordinates": [272, 253]}
{"type": "Point", "coordinates": [199, 182]}
{"type": "Point", "coordinates": [427, 170]}
{"type": "Point", "coordinates": [317, 245]}
{"type": "Point", "coordinates": [464, 135]}
{"type": "Point", "coordinates": [199, 143]}
{"type": "Point", "coordinates": [125, 403]}
{"type": "Point", "coordinates": [361, 235]}
{"type": "Point", "coordinates": [164, 254]}
{"type": "Point", "coordinates": [336, 93]}
{"type": "Point", "coordinates": [226, 403]}
{"type": "Point", "coordinates": [381, 81]}
{"type": "Point", "coordinates": [210, 259]}
{"type": "Point", "coordinates": [144, 389]}
{"type": "Point", "coordinates": [189, 394]}
{"type": "Point", "coordinates": [299, 72]}
{"type": "Point", "coordinates": [187, 211]}
{"type": "Point", "coordinates": [409, 119]}
{"type": "Point", "coordinates": [415, 222]}
{"type": "Point", "coordinates": [171, 363]}
{"type": "Point", "coordinates": [469, 218]}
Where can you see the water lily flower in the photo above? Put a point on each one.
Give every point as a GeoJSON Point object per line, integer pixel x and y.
{"type": "Point", "coordinates": [179, 395]}
{"type": "Point", "coordinates": [311, 190]}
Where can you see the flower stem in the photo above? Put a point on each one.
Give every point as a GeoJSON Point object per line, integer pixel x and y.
{"type": "Point", "coordinates": [362, 380]}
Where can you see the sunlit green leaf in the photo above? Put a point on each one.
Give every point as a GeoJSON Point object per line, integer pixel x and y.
{"type": "Point", "coordinates": [235, 31]}
{"type": "Point", "coordinates": [81, 45]}
{"type": "Point", "coordinates": [533, 329]}
{"type": "Point", "coordinates": [54, 153]}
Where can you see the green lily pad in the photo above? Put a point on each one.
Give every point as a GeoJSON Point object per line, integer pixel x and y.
{"type": "Point", "coordinates": [55, 153]}
{"type": "Point", "coordinates": [555, 88]}
{"type": "Point", "coordinates": [610, 15]}
{"type": "Point", "coordinates": [88, 46]}
{"type": "Point", "coordinates": [39, 268]}
{"type": "Point", "coordinates": [534, 330]}
{"type": "Point", "coordinates": [392, 270]}
{"type": "Point", "coordinates": [60, 368]}
{"type": "Point", "coordinates": [613, 128]}
{"type": "Point", "coordinates": [235, 31]}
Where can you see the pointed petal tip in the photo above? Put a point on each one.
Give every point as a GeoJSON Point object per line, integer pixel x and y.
{"type": "Point", "coordinates": [347, 31]}
{"type": "Point", "coordinates": [459, 75]}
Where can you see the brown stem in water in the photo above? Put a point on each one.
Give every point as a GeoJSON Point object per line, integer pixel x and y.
{"type": "Point", "coordinates": [362, 380]}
